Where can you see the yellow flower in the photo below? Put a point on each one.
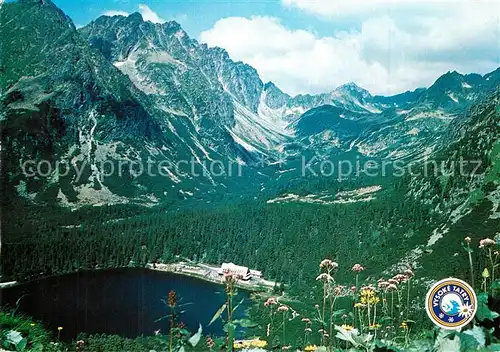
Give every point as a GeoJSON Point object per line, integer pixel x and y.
{"type": "Point", "coordinates": [347, 327]}
{"type": "Point", "coordinates": [369, 299]}
{"type": "Point", "coordinates": [32, 324]}
{"type": "Point", "coordinates": [359, 305]}
{"type": "Point", "coordinates": [238, 345]}
{"type": "Point", "coordinates": [374, 326]}
{"type": "Point", "coordinates": [249, 343]}
{"type": "Point", "coordinates": [403, 325]}
{"type": "Point", "coordinates": [59, 328]}
{"type": "Point", "coordinates": [310, 348]}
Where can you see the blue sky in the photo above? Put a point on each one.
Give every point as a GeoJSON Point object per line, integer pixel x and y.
{"type": "Point", "coordinates": [196, 16]}
{"type": "Point", "coordinates": [313, 46]}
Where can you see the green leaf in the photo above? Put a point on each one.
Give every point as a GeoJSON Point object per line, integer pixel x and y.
{"type": "Point", "coordinates": [468, 342]}
{"type": "Point", "coordinates": [495, 285]}
{"type": "Point", "coordinates": [218, 313]}
{"type": "Point", "coordinates": [447, 345]}
{"type": "Point", "coordinates": [238, 305]}
{"type": "Point", "coordinates": [494, 347]}
{"type": "Point", "coordinates": [352, 336]}
{"type": "Point", "coordinates": [245, 323]}
{"type": "Point", "coordinates": [421, 346]}
{"type": "Point", "coordinates": [14, 337]}
{"type": "Point", "coordinates": [382, 346]}
{"type": "Point", "coordinates": [339, 312]}
{"type": "Point", "coordinates": [193, 340]}
{"type": "Point", "coordinates": [477, 334]}
{"type": "Point", "coordinates": [183, 332]}
{"type": "Point", "coordinates": [483, 311]}
{"type": "Point", "coordinates": [466, 248]}
{"type": "Point", "coordinates": [21, 345]}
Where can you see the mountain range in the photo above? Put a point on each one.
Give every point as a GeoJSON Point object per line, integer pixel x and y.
{"type": "Point", "coordinates": [123, 91]}
{"type": "Point", "coordinates": [242, 171]}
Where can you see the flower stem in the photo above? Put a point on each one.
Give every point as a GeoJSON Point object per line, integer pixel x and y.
{"type": "Point", "coordinates": [470, 265]}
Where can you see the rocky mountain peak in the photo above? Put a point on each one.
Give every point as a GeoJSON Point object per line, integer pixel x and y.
{"type": "Point", "coordinates": [353, 89]}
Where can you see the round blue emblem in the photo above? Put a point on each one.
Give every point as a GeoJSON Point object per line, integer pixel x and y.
{"type": "Point", "coordinates": [451, 303]}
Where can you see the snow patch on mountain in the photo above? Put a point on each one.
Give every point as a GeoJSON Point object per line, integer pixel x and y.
{"type": "Point", "coordinates": [453, 97]}
{"type": "Point", "coordinates": [256, 132]}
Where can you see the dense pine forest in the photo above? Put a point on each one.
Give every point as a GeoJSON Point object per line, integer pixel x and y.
{"type": "Point", "coordinates": [283, 240]}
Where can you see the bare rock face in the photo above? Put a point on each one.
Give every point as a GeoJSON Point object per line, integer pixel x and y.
{"type": "Point", "coordinates": [125, 90]}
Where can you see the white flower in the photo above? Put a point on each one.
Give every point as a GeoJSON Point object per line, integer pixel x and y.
{"type": "Point", "coordinates": [324, 277]}
{"type": "Point", "coordinates": [441, 315]}
{"type": "Point", "coordinates": [451, 320]}
{"type": "Point", "coordinates": [465, 310]}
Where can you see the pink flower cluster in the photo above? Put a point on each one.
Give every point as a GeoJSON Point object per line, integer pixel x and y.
{"type": "Point", "coordinates": [283, 308]}
{"type": "Point", "coordinates": [357, 268]}
{"type": "Point", "coordinates": [328, 264]}
{"type": "Point", "coordinates": [271, 301]}
{"type": "Point", "coordinates": [486, 242]}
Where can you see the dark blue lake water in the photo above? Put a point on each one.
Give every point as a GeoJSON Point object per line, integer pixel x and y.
{"type": "Point", "coordinates": [126, 302]}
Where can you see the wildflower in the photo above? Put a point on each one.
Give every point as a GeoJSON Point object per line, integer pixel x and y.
{"type": "Point", "coordinates": [282, 308]}
{"type": "Point", "coordinates": [172, 299]}
{"type": "Point", "coordinates": [368, 295]}
{"type": "Point", "coordinates": [357, 268]}
{"type": "Point", "coordinates": [324, 277]}
{"type": "Point", "coordinates": [400, 278]}
{"type": "Point", "coordinates": [359, 305]}
{"type": "Point", "coordinates": [347, 327]}
{"type": "Point", "coordinates": [409, 273]}
{"type": "Point", "coordinates": [370, 300]}
{"type": "Point", "coordinates": [353, 289]}
{"type": "Point", "coordinates": [486, 273]}
{"type": "Point", "coordinates": [270, 302]}
{"type": "Point", "coordinates": [383, 284]}
{"type": "Point", "coordinates": [338, 290]}
{"type": "Point", "coordinates": [59, 328]}
{"type": "Point", "coordinates": [286, 348]}
{"type": "Point", "coordinates": [404, 325]}
{"type": "Point", "coordinates": [210, 343]}
{"type": "Point", "coordinates": [391, 287]}
{"type": "Point", "coordinates": [32, 324]}
{"type": "Point", "coordinates": [322, 331]}
{"type": "Point", "coordinates": [393, 282]}
{"type": "Point", "coordinates": [310, 348]}
{"type": "Point", "coordinates": [329, 264]}
{"type": "Point", "coordinates": [306, 320]}
{"type": "Point", "coordinates": [308, 330]}
{"type": "Point", "coordinates": [486, 242]}
{"type": "Point", "coordinates": [80, 345]}
{"type": "Point", "coordinates": [467, 240]}
{"type": "Point", "coordinates": [249, 343]}
{"type": "Point", "coordinates": [157, 332]}
{"type": "Point", "coordinates": [374, 326]}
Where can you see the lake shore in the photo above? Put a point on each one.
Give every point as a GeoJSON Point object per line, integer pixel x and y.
{"type": "Point", "coordinates": [200, 271]}
{"type": "Point", "coordinates": [210, 273]}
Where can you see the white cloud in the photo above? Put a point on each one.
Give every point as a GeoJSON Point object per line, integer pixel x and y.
{"type": "Point", "coordinates": [360, 8]}
{"type": "Point", "coordinates": [386, 53]}
{"type": "Point", "coordinates": [145, 11]}
{"type": "Point", "coordinates": [149, 15]}
{"type": "Point", "coordinates": [112, 13]}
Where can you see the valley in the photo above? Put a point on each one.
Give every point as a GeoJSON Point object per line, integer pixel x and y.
{"type": "Point", "coordinates": [129, 144]}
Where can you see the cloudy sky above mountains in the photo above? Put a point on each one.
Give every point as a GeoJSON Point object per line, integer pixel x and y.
{"type": "Point", "coordinates": [312, 46]}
